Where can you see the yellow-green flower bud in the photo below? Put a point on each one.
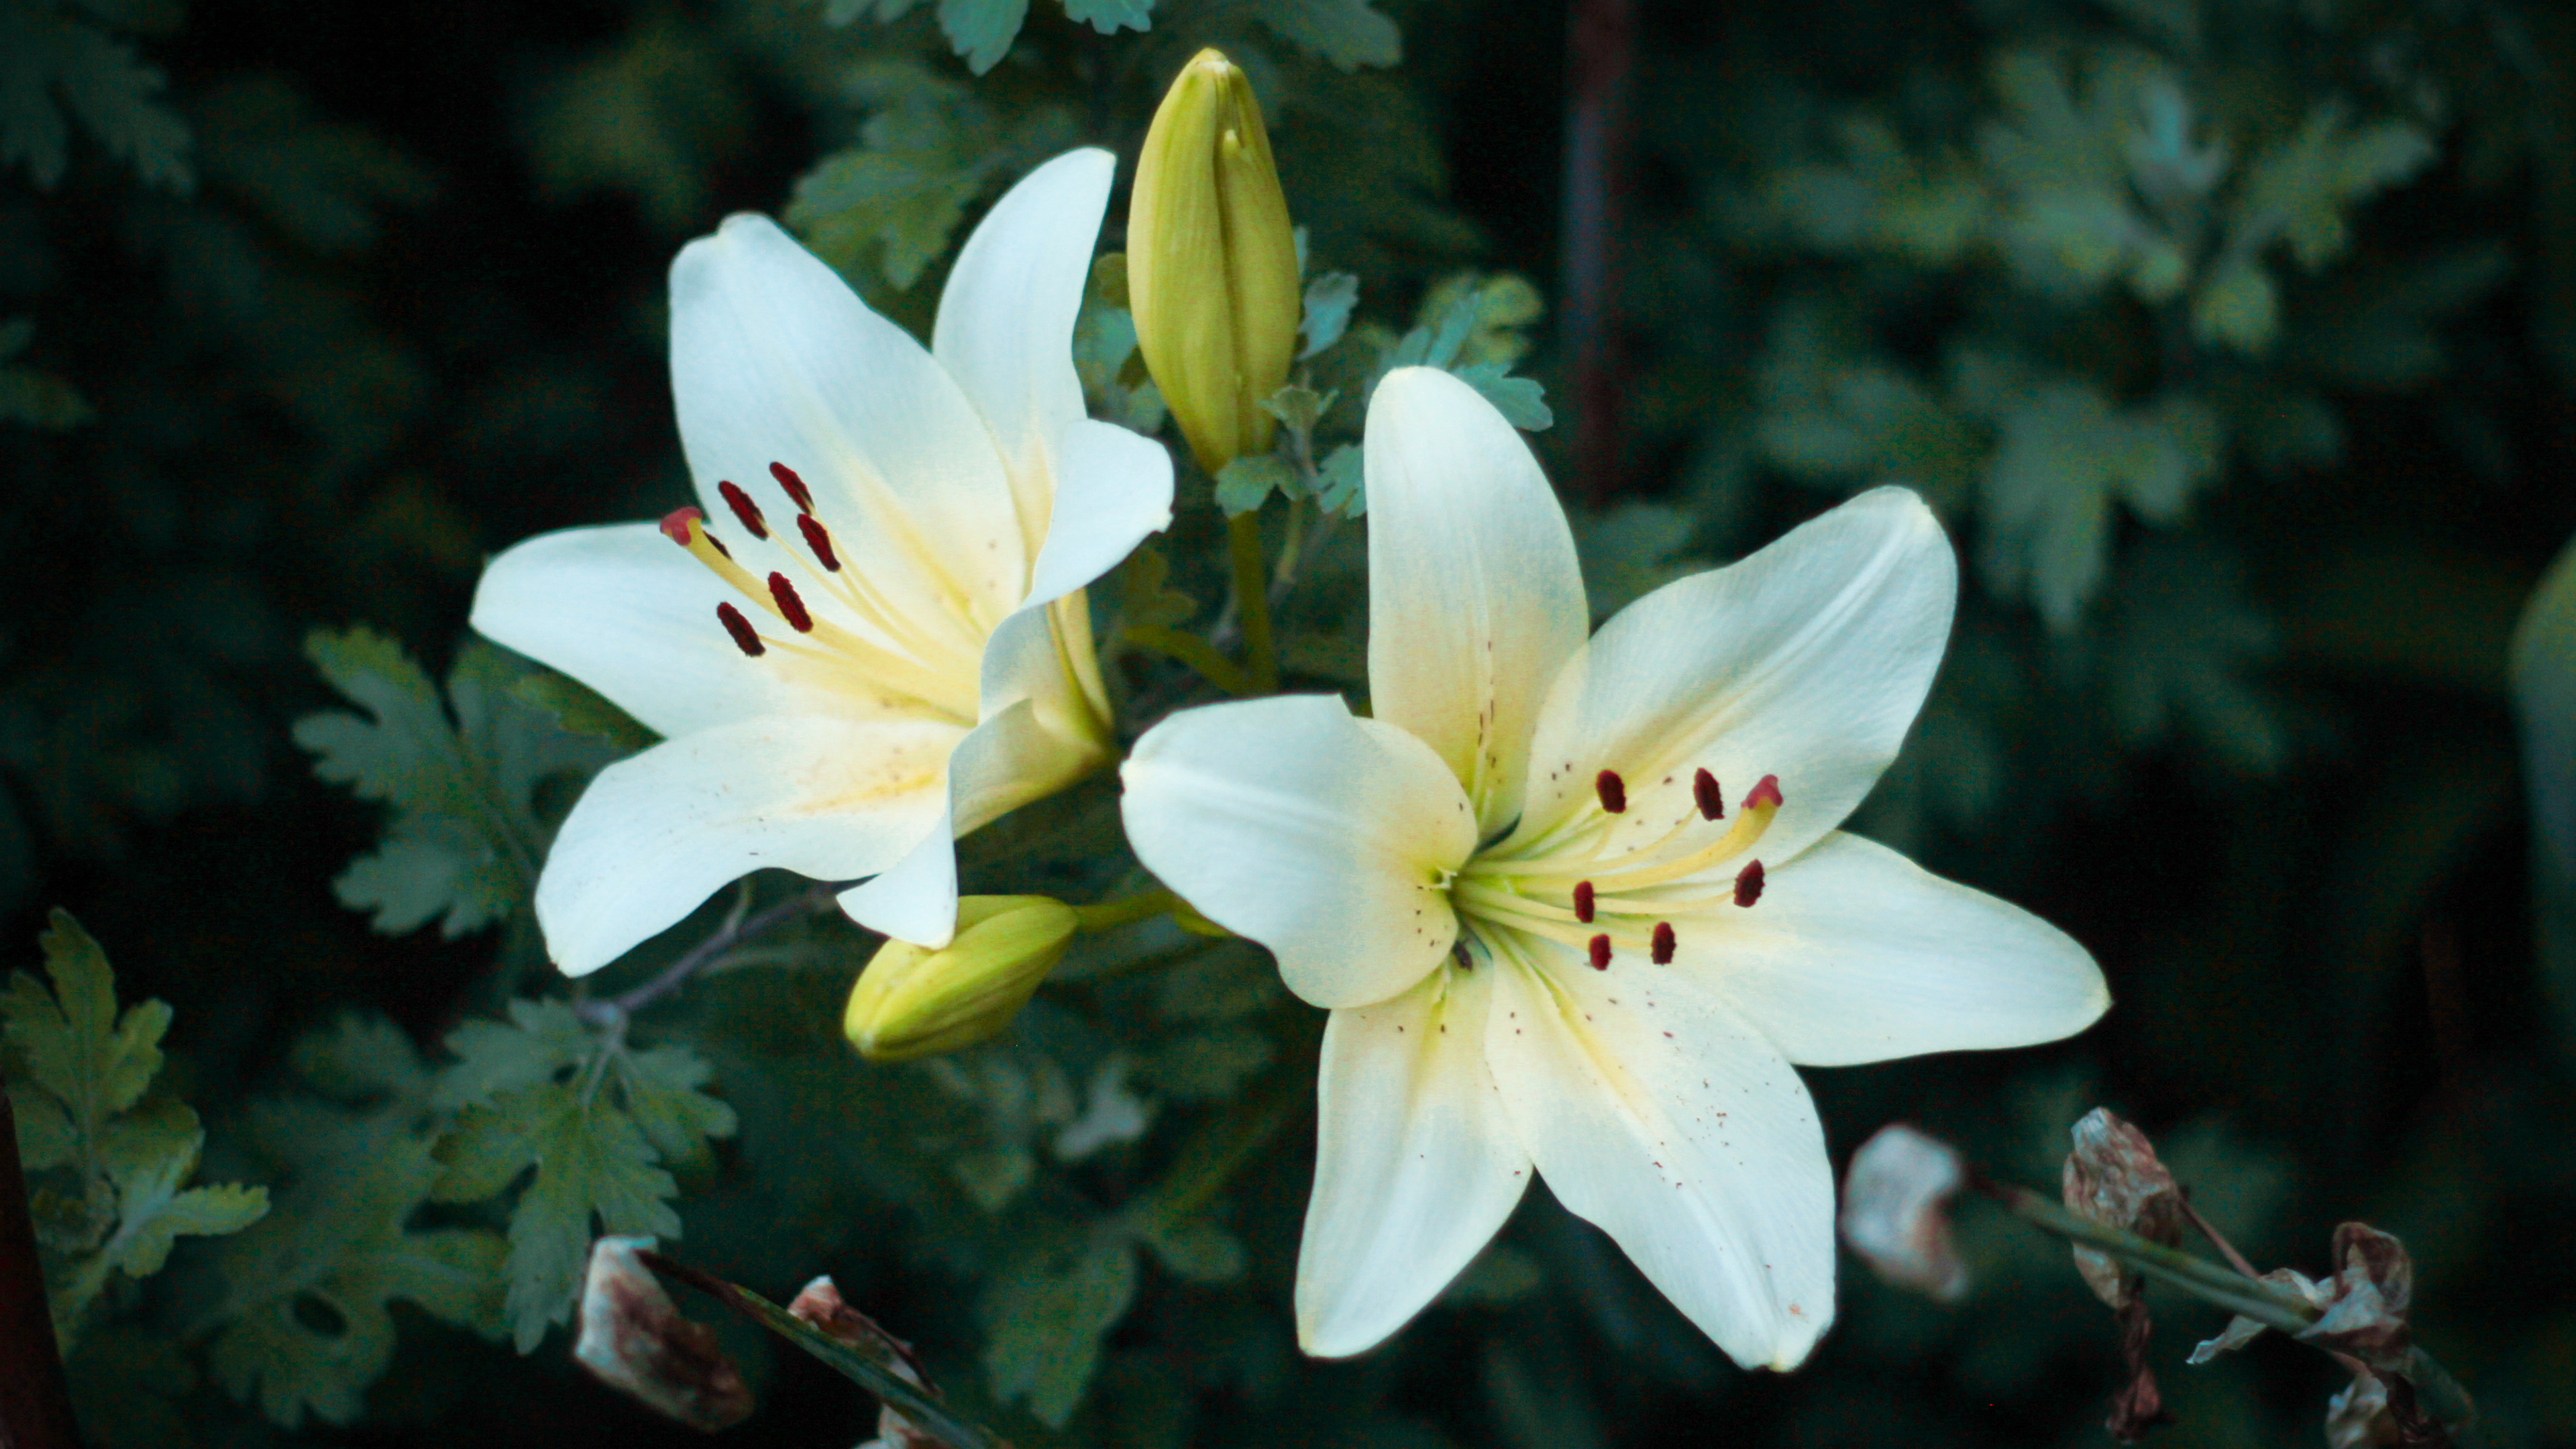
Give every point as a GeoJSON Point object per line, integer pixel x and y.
{"type": "Point", "coordinates": [1212, 262]}
{"type": "Point", "coordinates": [913, 1001]}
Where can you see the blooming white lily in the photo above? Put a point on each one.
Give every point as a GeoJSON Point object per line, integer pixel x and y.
{"type": "Point", "coordinates": [874, 639]}
{"type": "Point", "coordinates": [1548, 938]}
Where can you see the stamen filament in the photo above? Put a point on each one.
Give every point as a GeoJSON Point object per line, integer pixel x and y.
{"type": "Point", "coordinates": [1748, 827]}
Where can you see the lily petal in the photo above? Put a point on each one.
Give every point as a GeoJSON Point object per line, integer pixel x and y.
{"type": "Point", "coordinates": [1416, 1164]}
{"type": "Point", "coordinates": [1112, 487]}
{"type": "Point", "coordinates": [1324, 837]}
{"type": "Point", "coordinates": [623, 611]}
{"type": "Point", "coordinates": [775, 359]}
{"type": "Point", "coordinates": [996, 769]}
{"type": "Point", "coordinates": [1667, 1120]}
{"type": "Point", "coordinates": [1807, 660]}
{"type": "Point", "coordinates": [1005, 328]}
{"type": "Point", "coordinates": [1856, 954]}
{"type": "Point", "coordinates": [656, 834]}
{"type": "Point", "coordinates": [1475, 598]}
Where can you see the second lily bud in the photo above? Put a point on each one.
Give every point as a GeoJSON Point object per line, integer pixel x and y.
{"type": "Point", "coordinates": [913, 1001]}
{"type": "Point", "coordinates": [1212, 262]}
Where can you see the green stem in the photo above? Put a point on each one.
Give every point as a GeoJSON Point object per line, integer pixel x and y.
{"type": "Point", "coordinates": [1252, 601]}
{"type": "Point", "coordinates": [1191, 650]}
{"type": "Point", "coordinates": [1108, 915]}
{"type": "Point", "coordinates": [2277, 1308]}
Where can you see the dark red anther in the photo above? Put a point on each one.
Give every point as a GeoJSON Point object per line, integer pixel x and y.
{"type": "Point", "coordinates": [1663, 943]}
{"type": "Point", "coordinates": [1765, 793]}
{"type": "Point", "coordinates": [794, 485]}
{"type": "Point", "coordinates": [740, 628]}
{"type": "Point", "coordinates": [818, 542]}
{"type": "Point", "coordinates": [1583, 901]}
{"type": "Point", "coordinates": [1612, 790]}
{"type": "Point", "coordinates": [744, 509]}
{"type": "Point", "coordinates": [1601, 953]}
{"type": "Point", "coordinates": [1748, 884]}
{"type": "Point", "coordinates": [1706, 795]}
{"type": "Point", "coordinates": [783, 594]}
{"type": "Point", "coordinates": [675, 524]}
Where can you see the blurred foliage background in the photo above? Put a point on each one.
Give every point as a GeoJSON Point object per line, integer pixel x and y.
{"type": "Point", "coordinates": [2235, 342]}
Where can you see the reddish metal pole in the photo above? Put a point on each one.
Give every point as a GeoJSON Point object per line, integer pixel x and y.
{"type": "Point", "coordinates": [35, 1404]}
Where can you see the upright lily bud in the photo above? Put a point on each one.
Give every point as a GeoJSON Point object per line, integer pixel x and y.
{"type": "Point", "coordinates": [1212, 263]}
{"type": "Point", "coordinates": [916, 1002]}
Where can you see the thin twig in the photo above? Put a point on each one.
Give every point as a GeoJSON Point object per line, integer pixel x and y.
{"type": "Point", "coordinates": [616, 1009]}
{"type": "Point", "coordinates": [35, 1405]}
{"type": "Point", "coordinates": [2225, 1248]}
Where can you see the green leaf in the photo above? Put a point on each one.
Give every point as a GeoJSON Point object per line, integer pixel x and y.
{"type": "Point", "coordinates": [1329, 300]}
{"type": "Point", "coordinates": [52, 63]}
{"type": "Point", "coordinates": [1346, 34]}
{"type": "Point", "coordinates": [465, 832]}
{"type": "Point", "coordinates": [1146, 597]}
{"type": "Point", "coordinates": [2066, 457]}
{"type": "Point", "coordinates": [148, 1155]}
{"type": "Point", "coordinates": [306, 1326]}
{"type": "Point", "coordinates": [591, 1162]}
{"type": "Point", "coordinates": [1111, 16]}
{"type": "Point", "coordinates": [1299, 407]}
{"type": "Point", "coordinates": [2300, 188]}
{"type": "Point", "coordinates": [578, 709]}
{"type": "Point", "coordinates": [982, 30]}
{"type": "Point", "coordinates": [1243, 485]}
{"type": "Point", "coordinates": [322, 182]}
{"type": "Point", "coordinates": [1341, 482]}
{"type": "Point", "coordinates": [1045, 1315]}
{"type": "Point", "coordinates": [593, 1118]}
{"type": "Point", "coordinates": [32, 398]}
{"type": "Point", "coordinates": [650, 115]}
{"type": "Point", "coordinates": [1195, 1249]}
{"type": "Point", "coordinates": [1522, 402]}
{"type": "Point", "coordinates": [76, 1046]}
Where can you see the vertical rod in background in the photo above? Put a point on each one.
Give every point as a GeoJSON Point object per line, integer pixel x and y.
{"type": "Point", "coordinates": [35, 1403]}
{"type": "Point", "coordinates": [1601, 51]}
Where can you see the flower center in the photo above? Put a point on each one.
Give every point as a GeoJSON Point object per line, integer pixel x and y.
{"type": "Point", "coordinates": [857, 641]}
{"type": "Point", "coordinates": [1592, 883]}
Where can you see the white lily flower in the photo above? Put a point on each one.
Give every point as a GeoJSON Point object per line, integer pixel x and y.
{"type": "Point", "coordinates": [1549, 940]}
{"type": "Point", "coordinates": [874, 638]}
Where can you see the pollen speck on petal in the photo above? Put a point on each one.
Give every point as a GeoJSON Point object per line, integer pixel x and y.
{"type": "Point", "coordinates": [818, 542]}
{"type": "Point", "coordinates": [1706, 795]}
{"type": "Point", "coordinates": [1612, 790]}
{"type": "Point", "coordinates": [1748, 884]}
{"type": "Point", "coordinates": [1664, 943]}
{"type": "Point", "coordinates": [783, 594]}
{"type": "Point", "coordinates": [1601, 952]}
{"type": "Point", "coordinates": [740, 628]}
{"type": "Point", "coordinates": [794, 485]}
{"type": "Point", "coordinates": [1583, 901]}
{"type": "Point", "coordinates": [744, 509]}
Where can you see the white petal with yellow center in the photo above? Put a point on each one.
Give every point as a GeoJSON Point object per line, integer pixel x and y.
{"type": "Point", "coordinates": [1416, 1163]}
{"type": "Point", "coordinates": [1807, 660]}
{"type": "Point", "coordinates": [656, 834]}
{"type": "Point", "coordinates": [1669, 1122]}
{"type": "Point", "coordinates": [1475, 598]}
{"type": "Point", "coordinates": [1857, 954]}
{"type": "Point", "coordinates": [1325, 837]}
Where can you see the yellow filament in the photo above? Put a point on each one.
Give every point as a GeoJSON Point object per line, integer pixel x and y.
{"type": "Point", "coordinates": [1739, 837]}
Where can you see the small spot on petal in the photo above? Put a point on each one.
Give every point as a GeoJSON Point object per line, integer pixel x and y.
{"type": "Point", "coordinates": [1706, 795]}
{"type": "Point", "coordinates": [740, 628]}
{"type": "Point", "coordinates": [1748, 884]}
{"type": "Point", "coordinates": [1601, 953]}
{"type": "Point", "coordinates": [1583, 901]}
{"type": "Point", "coordinates": [1612, 790]}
